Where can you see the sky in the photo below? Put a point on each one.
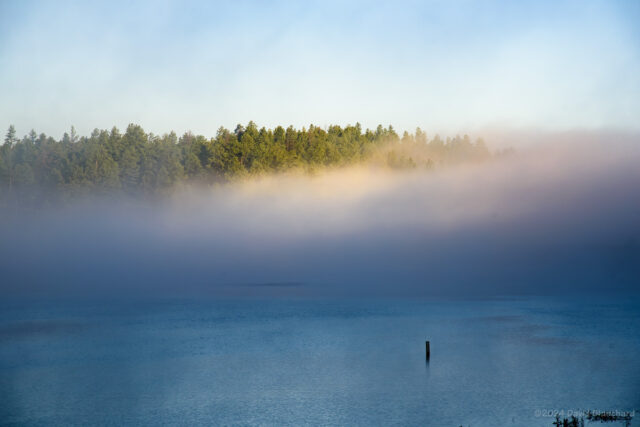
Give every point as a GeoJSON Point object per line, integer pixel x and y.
{"type": "Point", "coordinates": [446, 66]}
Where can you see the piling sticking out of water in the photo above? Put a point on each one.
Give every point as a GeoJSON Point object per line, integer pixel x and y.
{"type": "Point", "coordinates": [428, 350]}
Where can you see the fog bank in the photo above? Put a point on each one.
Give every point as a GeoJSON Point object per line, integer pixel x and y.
{"type": "Point", "coordinates": [557, 217]}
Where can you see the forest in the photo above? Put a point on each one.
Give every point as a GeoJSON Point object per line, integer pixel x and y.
{"type": "Point", "coordinates": [44, 169]}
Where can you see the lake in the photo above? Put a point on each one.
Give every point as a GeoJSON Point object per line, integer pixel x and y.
{"type": "Point", "coordinates": [506, 361]}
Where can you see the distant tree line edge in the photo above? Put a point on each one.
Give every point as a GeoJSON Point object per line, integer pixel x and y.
{"type": "Point", "coordinates": [39, 167]}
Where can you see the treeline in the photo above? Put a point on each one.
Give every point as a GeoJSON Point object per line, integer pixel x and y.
{"type": "Point", "coordinates": [136, 162]}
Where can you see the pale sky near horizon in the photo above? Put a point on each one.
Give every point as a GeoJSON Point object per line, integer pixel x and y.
{"type": "Point", "coordinates": [447, 66]}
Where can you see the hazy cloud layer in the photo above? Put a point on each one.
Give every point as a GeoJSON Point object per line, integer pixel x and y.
{"type": "Point", "coordinates": [196, 65]}
{"type": "Point", "coordinates": [562, 216]}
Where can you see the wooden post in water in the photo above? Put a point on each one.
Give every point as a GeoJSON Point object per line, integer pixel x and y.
{"type": "Point", "coordinates": [428, 349]}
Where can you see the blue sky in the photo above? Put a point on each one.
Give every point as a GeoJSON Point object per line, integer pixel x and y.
{"type": "Point", "coordinates": [447, 66]}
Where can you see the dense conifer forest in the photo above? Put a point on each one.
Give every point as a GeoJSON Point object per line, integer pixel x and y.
{"type": "Point", "coordinates": [39, 167]}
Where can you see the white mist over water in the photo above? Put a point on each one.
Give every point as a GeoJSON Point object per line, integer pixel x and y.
{"type": "Point", "coordinates": [563, 216]}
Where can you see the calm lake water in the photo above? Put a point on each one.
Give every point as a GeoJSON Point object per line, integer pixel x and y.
{"type": "Point", "coordinates": [337, 362]}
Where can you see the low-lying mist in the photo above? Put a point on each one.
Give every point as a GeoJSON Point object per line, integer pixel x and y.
{"type": "Point", "coordinates": [561, 216]}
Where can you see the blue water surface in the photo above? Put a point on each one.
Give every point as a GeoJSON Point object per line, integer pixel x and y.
{"type": "Point", "coordinates": [509, 361]}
